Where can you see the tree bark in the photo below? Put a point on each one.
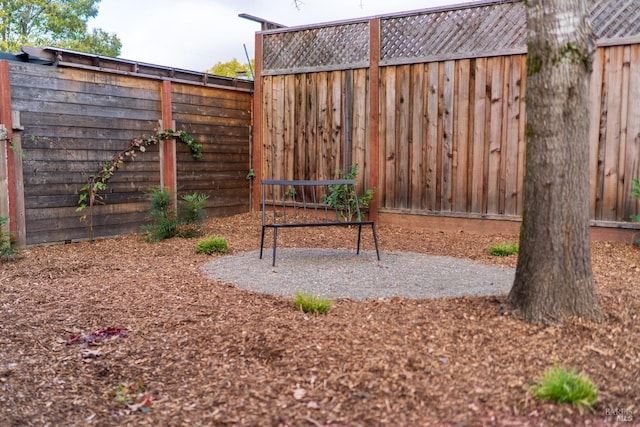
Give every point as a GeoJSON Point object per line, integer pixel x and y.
{"type": "Point", "coordinates": [553, 278]}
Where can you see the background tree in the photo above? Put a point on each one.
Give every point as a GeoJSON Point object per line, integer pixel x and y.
{"type": "Point", "coordinates": [60, 23]}
{"type": "Point", "coordinates": [232, 68]}
{"type": "Point", "coordinates": [553, 275]}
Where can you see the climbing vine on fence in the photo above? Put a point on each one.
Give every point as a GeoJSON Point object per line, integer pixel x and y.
{"type": "Point", "coordinates": [90, 192]}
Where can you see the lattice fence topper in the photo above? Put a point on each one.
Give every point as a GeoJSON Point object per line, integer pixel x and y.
{"type": "Point", "coordinates": [614, 19]}
{"type": "Point", "coordinates": [317, 48]}
{"type": "Point", "coordinates": [465, 31]}
{"type": "Point", "coordinates": [494, 29]}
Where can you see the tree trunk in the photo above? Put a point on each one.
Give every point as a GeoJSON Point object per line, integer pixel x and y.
{"type": "Point", "coordinates": [553, 275]}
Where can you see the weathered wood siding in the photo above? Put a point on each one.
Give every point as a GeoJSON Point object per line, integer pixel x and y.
{"type": "Point", "coordinates": [73, 121]}
{"type": "Point", "coordinates": [220, 120]}
{"type": "Point", "coordinates": [76, 119]}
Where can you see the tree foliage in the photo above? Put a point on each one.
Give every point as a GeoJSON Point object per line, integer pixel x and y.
{"type": "Point", "coordinates": [232, 68]}
{"type": "Point", "coordinates": [58, 23]}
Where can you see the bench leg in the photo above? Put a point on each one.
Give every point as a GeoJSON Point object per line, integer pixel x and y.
{"type": "Point", "coordinates": [275, 239]}
{"type": "Point", "coordinates": [262, 241]}
{"type": "Point", "coordinates": [359, 238]}
{"type": "Point", "coordinates": [375, 239]}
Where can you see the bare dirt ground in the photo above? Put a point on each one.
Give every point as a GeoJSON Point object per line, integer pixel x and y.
{"type": "Point", "coordinates": [206, 353]}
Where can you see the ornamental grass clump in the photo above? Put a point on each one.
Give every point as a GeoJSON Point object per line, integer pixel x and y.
{"type": "Point", "coordinates": [311, 303]}
{"type": "Point", "coordinates": [504, 249]}
{"type": "Point", "coordinates": [563, 386]}
{"type": "Point", "coordinates": [211, 245]}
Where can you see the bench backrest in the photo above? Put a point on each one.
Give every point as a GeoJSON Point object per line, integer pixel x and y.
{"type": "Point", "coordinates": [310, 202]}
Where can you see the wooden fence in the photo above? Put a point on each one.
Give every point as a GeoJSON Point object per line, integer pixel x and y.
{"type": "Point", "coordinates": [68, 120]}
{"type": "Point", "coordinates": [438, 132]}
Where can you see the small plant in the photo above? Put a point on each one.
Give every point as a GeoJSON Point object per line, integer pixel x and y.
{"type": "Point", "coordinates": [311, 303]}
{"type": "Point", "coordinates": [192, 208]}
{"type": "Point", "coordinates": [212, 245]}
{"type": "Point", "coordinates": [562, 386]}
{"type": "Point", "coordinates": [290, 193]}
{"type": "Point", "coordinates": [165, 222]}
{"type": "Point", "coordinates": [7, 250]}
{"type": "Point", "coordinates": [343, 197]}
{"type": "Point", "coordinates": [504, 249]}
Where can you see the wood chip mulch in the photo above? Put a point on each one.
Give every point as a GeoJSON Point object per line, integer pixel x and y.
{"type": "Point", "coordinates": [125, 332]}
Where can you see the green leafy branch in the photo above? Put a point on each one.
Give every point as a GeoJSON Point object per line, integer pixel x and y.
{"type": "Point", "coordinates": [90, 192]}
{"type": "Point", "coordinates": [343, 197]}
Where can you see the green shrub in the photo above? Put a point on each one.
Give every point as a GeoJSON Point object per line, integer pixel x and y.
{"type": "Point", "coordinates": [562, 386]}
{"type": "Point", "coordinates": [342, 197]}
{"type": "Point", "coordinates": [504, 249]}
{"type": "Point", "coordinates": [166, 224]}
{"type": "Point", "coordinates": [311, 303]}
{"type": "Point", "coordinates": [212, 245]}
{"type": "Point", "coordinates": [192, 208]}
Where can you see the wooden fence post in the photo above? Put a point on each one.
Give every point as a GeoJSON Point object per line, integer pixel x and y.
{"type": "Point", "coordinates": [256, 136]}
{"type": "Point", "coordinates": [374, 115]}
{"type": "Point", "coordinates": [8, 206]}
{"type": "Point", "coordinates": [168, 175]}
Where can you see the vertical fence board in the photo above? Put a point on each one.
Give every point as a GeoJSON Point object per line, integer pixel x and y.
{"type": "Point", "coordinates": [461, 137]}
{"type": "Point", "coordinates": [323, 125]}
{"type": "Point", "coordinates": [478, 151]}
{"type": "Point", "coordinates": [433, 88]}
{"type": "Point", "coordinates": [522, 138]}
{"type": "Point", "coordinates": [632, 167]}
{"type": "Point", "coordinates": [337, 130]}
{"type": "Point", "coordinates": [448, 105]}
{"type": "Point", "coordinates": [300, 131]}
{"type": "Point", "coordinates": [360, 135]}
{"type": "Point", "coordinates": [389, 136]}
{"type": "Point", "coordinates": [403, 136]}
{"type": "Point", "coordinates": [417, 112]}
{"type": "Point", "coordinates": [495, 130]}
{"type": "Point", "coordinates": [613, 126]}
{"type": "Point", "coordinates": [595, 100]}
{"type": "Point", "coordinates": [624, 102]}
{"type": "Point", "coordinates": [267, 134]}
{"type": "Point", "coordinates": [511, 136]}
{"type": "Point", "coordinates": [289, 125]}
{"type": "Point", "coordinates": [279, 101]}
{"type": "Point", "coordinates": [502, 172]}
{"type": "Point", "coordinates": [312, 125]}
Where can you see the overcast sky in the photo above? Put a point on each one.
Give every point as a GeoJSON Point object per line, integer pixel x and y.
{"type": "Point", "coordinates": [196, 34]}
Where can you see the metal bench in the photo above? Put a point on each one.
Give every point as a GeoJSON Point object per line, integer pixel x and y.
{"type": "Point", "coordinates": [327, 203]}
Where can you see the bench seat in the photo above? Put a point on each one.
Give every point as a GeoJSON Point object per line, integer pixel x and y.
{"type": "Point", "coordinates": [307, 203]}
